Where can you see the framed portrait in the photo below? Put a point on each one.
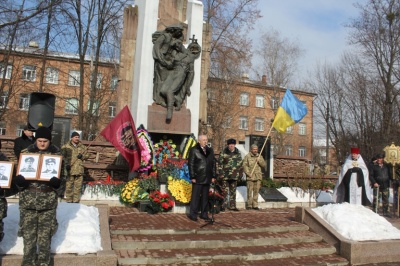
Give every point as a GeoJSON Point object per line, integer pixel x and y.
{"type": "Point", "coordinates": [29, 164]}
{"type": "Point", "coordinates": [6, 173]}
{"type": "Point", "coordinates": [50, 167]}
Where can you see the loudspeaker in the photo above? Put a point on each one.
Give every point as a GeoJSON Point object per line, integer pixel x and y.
{"type": "Point", "coordinates": [41, 110]}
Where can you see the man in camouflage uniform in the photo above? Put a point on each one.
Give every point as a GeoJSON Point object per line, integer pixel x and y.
{"type": "Point", "coordinates": [37, 205]}
{"type": "Point", "coordinates": [380, 175]}
{"type": "Point", "coordinates": [73, 154]}
{"type": "Point", "coordinates": [229, 171]}
{"type": "Point", "coordinates": [253, 166]}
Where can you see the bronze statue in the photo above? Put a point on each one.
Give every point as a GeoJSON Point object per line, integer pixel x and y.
{"type": "Point", "coordinates": [173, 67]}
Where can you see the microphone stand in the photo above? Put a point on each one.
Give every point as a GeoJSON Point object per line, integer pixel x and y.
{"type": "Point", "coordinates": [213, 210]}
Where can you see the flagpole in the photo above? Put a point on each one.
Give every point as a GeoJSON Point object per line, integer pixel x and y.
{"type": "Point", "coordinates": [265, 142]}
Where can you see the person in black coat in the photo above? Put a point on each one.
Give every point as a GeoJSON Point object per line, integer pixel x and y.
{"type": "Point", "coordinates": [202, 171]}
{"type": "Point", "coordinates": [23, 142]}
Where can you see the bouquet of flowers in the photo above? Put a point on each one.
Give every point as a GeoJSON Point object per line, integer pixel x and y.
{"type": "Point", "coordinates": [138, 189]}
{"type": "Point", "coordinates": [147, 153]}
{"type": "Point", "coordinates": [159, 202]}
{"type": "Point", "coordinates": [179, 183]}
{"type": "Point", "coordinates": [165, 149]}
{"type": "Point", "coordinates": [107, 187]}
{"type": "Point", "coordinates": [215, 198]}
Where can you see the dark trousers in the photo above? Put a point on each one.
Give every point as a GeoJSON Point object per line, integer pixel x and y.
{"type": "Point", "coordinates": [199, 200]}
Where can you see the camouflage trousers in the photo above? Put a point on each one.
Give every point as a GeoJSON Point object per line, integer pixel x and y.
{"type": "Point", "coordinates": [73, 188]}
{"type": "Point", "coordinates": [36, 229]}
{"type": "Point", "coordinates": [384, 195]}
{"type": "Point", "coordinates": [3, 214]}
{"type": "Point", "coordinates": [229, 188]}
{"type": "Point", "coordinates": [253, 187]}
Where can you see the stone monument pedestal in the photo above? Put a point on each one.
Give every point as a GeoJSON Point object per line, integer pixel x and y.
{"type": "Point", "coordinates": [179, 124]}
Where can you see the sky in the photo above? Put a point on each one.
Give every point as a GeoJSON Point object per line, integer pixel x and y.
{"type": "Point", "coordinates": [316, 25]}
{"type": "Point", "coordinates": [79, 226]}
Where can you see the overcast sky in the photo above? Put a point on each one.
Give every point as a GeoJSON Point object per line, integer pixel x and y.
{"type": "Point", "coordinates": [318, 25]}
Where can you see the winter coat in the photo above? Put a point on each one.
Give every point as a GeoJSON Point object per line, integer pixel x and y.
{"type": "Point", "coordinates": [381, 175]}
{"type": "Point", "coordinates": [39, 195]}
{"type": "Point", "coordinates": [201, 166]}
{"type": "Point", "coordinates": [22, 143]}
{"type": "Point", "coordinates": [249, 161]}
{"type": "Point", "coordinates": [230, 165]}
{"type": "Point", "coordinates": [70, 153]}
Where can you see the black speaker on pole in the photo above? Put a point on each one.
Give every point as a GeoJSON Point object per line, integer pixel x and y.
{"type": "Point", "coordinates": [41, 110]}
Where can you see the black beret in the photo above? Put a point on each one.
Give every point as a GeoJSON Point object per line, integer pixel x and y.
{"type": "Point", "coordinates": [231, 141]}
{"type": "Point", "coordinates": [43, 133]}
{"type": "Point", "coordinates": [380, 156]}
{"type": "Point", "coordinates": [74, 134]}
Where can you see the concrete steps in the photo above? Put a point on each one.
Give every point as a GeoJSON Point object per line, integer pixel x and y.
{"type": "Point", "coordinates": [290, 243]}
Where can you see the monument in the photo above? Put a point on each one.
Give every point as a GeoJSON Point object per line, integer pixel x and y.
{"type": "Point", "coordinates": [165, 94]}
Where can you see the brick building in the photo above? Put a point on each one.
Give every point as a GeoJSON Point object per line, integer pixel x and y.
{"type": "Point", "coordinates": [242, 109]}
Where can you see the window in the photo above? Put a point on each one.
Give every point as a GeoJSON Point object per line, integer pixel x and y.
{"type": "Point", "coordinates": [73, 78]}
{"type": "Point", "coordinates": [243, 122]}
{"type": "Point", "coordinates": [3, 99]}
{"type": "Point", "coordinates": [288, 150]}
{"type": "Point", "coordinates": [52, 75]}
{"type": "Point", "coordinates": [20, 129]}
{"type": "Point", "coordinates": [227, 96]}
{"type": "Point", "coordinates": [289, 130]}
{"type": "Point", "coordinates": [29, 73]}
{"type": "Point", "coordinates": [209, 120]}
{"type": "Point", "coordinates": [8, 71]}
{"type": "Point", "coordinates": [24, 101]}
{"type": "Point", "coordinates": [95, 107]}
{"type": "Point", "coordinates": [114, 83]}
{"type": "Point", "coordinates": [2, 128]}
{"type": "Point", "coordinates": [71, 106]}
{"type": "Point", "coordinates": [112, 109]}
{"type": "Point", "coordinates": [302, 151]}
{"type": "Point", "coordinates": [260, 101]}
{"type": "Point", "coordinates": [259, 124]}
{"type": "Point", "coordinates": [244, 98]}
{"type": "Point", "coordinates": [98, 80]}
{"type": "Point", "coordinates": [302, 129]}
{"type": "Point", "coordinates": [274, 103]}
{"type": "Point", "coordinates": [227, 122]}
{"type": "Point", "coordinates": [211, 95]}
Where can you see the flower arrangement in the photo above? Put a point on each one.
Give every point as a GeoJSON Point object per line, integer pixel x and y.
{"type": "Point", "coordinates": [159, 202]}
{"type": "Point", "coordinates": [179, 183]}
{"type": "Point", "coordinates": [164, 149]}
{"type": "Point", "coordinates": [107, 187]}
{"type": "Point", "coordinates": [138, 189]}
{"type": "Point", "coordinates": [215, 198]}
{"type": "Point", "coordinates": [147, 153]}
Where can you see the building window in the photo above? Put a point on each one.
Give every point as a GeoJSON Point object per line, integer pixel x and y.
{"type": "Point", "coordinates": [227, 122]}
{"type": "Point", "coordinates": [114, 83]}
{"type": "Point", "coordinates": [289, 130]}
{"type": "Point", "coordinates": [260, 101]}
{"type": "Point", "coordinates": [302, 151]}
{"type": "Point", "coordinates": [71, 106]}
{"type": "Point", "coordinates": [3, 99]}
{"type": "Point", "coordinates": [29, 73]}
{"type": "Point", "coordinates": [20, 129]}
{"type": "Point", "coordinates": [209, 120]}
{"type": "Point", "coordinates": [98, 80]}
{"type": "Point", "coordinates": [211, 95]}
{"type": "Point", "coordinates": [274, 103]}
{"type": "Point", "coordinates": [2, 128]}
{"type": "Point", "coordinates": [112, 109]}
{"type": "Point", "coordinates": [95, 107]}
{"type": "Point", "coordinates": [244, 98]}
{"type": "Point", "coordinates": [52, 75]}
{"type": "Point", "coordinates": [73, 78]}
{"type": "Point", "coordinates": [8, 71]}
{"type": "Point", "coordinates": [288, 150]}
{"type": "Point", "coordinates": [24, 101]}
{"type": "Point", "coordinates": [243, 124]}
{"type": "Point", "coordinates": [302, 129]}
{"type": "Point", "coordinates": [227, 96]}
{"type": "Point", "coordinates": [259, 124]}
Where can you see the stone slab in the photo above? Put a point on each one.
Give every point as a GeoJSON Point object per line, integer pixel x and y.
{"type": "Point", "coordinates": [272, 194]}
{"type": "Point", "coordinates": [179, 124]}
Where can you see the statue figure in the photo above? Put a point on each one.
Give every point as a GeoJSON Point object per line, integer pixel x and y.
{"type": "Point", "coordinates": [173, 67]}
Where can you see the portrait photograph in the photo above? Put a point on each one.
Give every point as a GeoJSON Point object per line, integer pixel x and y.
{"type": "Point", "coordinates": [28, 165]}
{"type": "Point", "coordinates": [50, 166]}
{"type": "Point", "coordinates": [6, 171]}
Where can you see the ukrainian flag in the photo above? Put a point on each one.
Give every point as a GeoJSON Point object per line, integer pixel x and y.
{"type": "Point", "coordinates": [291, 111]}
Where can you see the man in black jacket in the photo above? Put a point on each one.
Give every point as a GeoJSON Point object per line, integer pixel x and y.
{"type": "Point", "coordinates": [202, 171]}
{"type": "Point", "coordinates": [23, 142]}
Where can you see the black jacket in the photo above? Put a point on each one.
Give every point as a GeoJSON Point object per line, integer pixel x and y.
{"type": "Point", "coordinates": [22, 143]}
{"type": "Point", "coordinates": [202, 166]}
{"type": "Point", "coordinates": [381, 175]}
